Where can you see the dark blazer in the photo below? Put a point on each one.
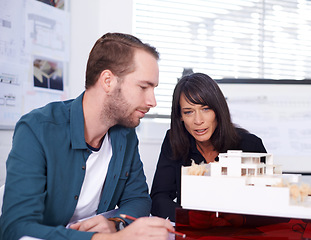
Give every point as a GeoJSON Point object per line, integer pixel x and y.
{"type": "Point", "coordinates": [166, 182]}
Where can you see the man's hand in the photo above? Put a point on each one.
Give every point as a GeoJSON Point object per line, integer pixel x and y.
{"type": "Point", "coordinates": [144, 228]}
{"type": "Point", "coordinates": [95, 224]}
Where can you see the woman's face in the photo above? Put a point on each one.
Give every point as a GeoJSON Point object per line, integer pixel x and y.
{"type": "Point", "coordinates": [200, 121]}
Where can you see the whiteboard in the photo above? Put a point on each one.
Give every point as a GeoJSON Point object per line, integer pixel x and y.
{"type": "Point", "coordinates": [279, 112]}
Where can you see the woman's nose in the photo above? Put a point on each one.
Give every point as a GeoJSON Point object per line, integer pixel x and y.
{"type": "Point", "coordinates": [198, 119]}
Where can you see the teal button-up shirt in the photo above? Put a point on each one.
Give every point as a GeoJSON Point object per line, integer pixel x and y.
{"type": "Point", "coordinates": [46, 168]}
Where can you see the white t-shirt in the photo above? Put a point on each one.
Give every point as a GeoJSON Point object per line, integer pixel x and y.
{"type": "Point", "coordinates": [95, 175]}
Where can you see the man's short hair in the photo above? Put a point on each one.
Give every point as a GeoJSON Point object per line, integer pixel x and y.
{"type": "Point", "coordinates": [114, 52]}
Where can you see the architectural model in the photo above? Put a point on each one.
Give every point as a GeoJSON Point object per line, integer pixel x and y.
{"type": "Point", "coordinates": [246, 183]}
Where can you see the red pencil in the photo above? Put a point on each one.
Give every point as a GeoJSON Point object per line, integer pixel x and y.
{"type": "Point", "coordinates": [132, 218]}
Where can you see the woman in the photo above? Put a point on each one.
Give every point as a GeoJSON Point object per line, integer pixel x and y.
{"type": "Point", "coordinates": [201, 128]}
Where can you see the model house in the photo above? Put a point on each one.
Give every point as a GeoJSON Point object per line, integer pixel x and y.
{"type": "Point", "coordinates": [237, 163]}
{"type": "Point", "coordinates": [248, 183]}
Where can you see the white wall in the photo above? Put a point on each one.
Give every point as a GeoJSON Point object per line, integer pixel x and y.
{"type": "Point", "coordinates": [88, 23]}
{"type": "Point", "coordinates": [151, 133]}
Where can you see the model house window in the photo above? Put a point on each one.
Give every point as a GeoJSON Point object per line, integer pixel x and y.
{"type": "Point", "coordinates": [274, 170]}
{"type": "Point", "coordinates": [251, 171]}
{"type": "Point", "coordinates": [224, 171]}
{"type": "Point", "coordinates": [225, 39]}
{"type": "Point", "coordinates": [247, 160]}
{"type": "Point", "coordinates": [243, 172]}
{"type": "Point", "coordinates": [259, 171]}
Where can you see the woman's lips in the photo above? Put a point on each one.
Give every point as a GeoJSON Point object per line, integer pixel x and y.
{"type": "Point", "coordinates": [201, 131]}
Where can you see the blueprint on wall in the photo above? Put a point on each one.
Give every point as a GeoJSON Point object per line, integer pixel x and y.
{"type": "Point", "coordinates": [34, 44]}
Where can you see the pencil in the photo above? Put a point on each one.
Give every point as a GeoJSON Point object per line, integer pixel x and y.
{"type": "Point", "coordinates": [175, 232]}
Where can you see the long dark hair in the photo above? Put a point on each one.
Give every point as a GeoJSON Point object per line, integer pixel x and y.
{"type": "Point", "coordinates": [199, 88]}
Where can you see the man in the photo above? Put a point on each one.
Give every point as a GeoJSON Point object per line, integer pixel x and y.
{"type": "Point", "coordinates": [75, 159]}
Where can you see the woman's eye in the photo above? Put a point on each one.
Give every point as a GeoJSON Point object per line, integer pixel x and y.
{"type": "Point", "coordinates": [206, 108]}
{"type": "Point", "coordinates": [187, 112]}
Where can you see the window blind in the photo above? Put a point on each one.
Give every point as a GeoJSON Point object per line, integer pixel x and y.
{"type": "Point", "coordinates": [225, 39]}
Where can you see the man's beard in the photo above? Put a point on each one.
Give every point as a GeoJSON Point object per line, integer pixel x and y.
{"type": "Point", "coordinates": [118, 111]}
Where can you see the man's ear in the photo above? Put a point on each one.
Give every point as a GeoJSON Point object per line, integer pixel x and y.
{"type": "Point", "coordinates": [106, 77]}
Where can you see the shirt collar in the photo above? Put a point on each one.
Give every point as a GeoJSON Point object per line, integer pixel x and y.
{"type": "Point", "coordinates": [77, 124]}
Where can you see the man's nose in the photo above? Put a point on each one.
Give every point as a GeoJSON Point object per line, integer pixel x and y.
{"type": "Point", "coordinates": [151, 100]}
